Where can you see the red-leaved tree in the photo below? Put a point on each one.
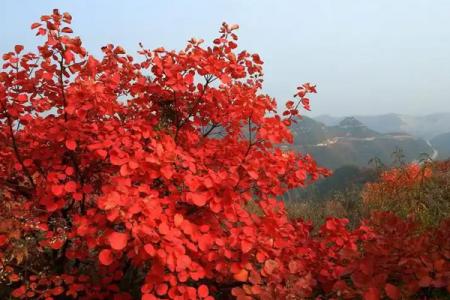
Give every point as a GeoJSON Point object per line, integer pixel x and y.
{"type": "Point", "coordinates": [123, 177]}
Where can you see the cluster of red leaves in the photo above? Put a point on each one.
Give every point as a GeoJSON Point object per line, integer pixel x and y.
{"type": "Point", "coordinates": [396, 180]}
{"type": "Point", "coordinates": [123, 179]}
{"type": "Point", "coordinates": [396, 184]}
{"type": "Point", "coordinates": [115, 170]}
{"type": "Point", "coordinates": [406, 176]}
{"type": "Point", "coordinates": [386, 257]}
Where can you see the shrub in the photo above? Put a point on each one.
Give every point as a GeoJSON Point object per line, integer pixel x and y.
{"type": "Point", "coordinates": [412, 190]}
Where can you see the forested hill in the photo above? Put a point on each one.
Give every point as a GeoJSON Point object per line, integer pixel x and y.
{"type": "Point", "coordinates": [351, 142]}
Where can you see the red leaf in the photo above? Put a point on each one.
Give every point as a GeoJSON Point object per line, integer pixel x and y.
{"type": "Point", "coordinates": [192, 182]}
{"type": "Point", "coordinates": [392, 291]}
{"type": "Point", "coordinates": [425, 281]}
{"type": "Point", "coordinates": [289, 104]}
{"type": "Point", "coordinates": [105, 257]}
{"type": "Point", "coordinates": [167, 171]}
{"type": "Point", "coordinates": [161, 289]}
{"type": "Point", "coordinates": [41, 31]}
{"type": "Point", "coordinates": [35, 25]}
{"type": "Point", "coordinates": [22, 98]}
{"type": "Point", "coordinates": [270, 265]}
{"type": "Point", "coordinates": [198, 199]}
{"type": "Point", "coordinates": [117, 161]}
{"type": "Point", "coordinates": [163, 228]}
{"type": "Point", "coordinates": [3, 239]}
{"type": "Point", "coordinates": [372, 294]}
{"type": "Point", "coordinates": [92, 65]}
{"type": "Point", "coordinates": [257, 59]}
{"type": "Point", "coordinates": [183, 262]}
{"type": "Point", "coordinates": [204, 242]}
{"type": "Point", "coordinates": [133, 164]}
{"type": "Point", "coordinates": [178, 220]}
{"type": "Point", "coordinates": [67, 30]}
{"type": "Point", "coordinates": [19, 292]}
{"type": "Point", "coordinates": [57, 244]}
{"type": "Point", "coordinates": [70, 186]}
{"type": "Point", "coordinates": [67, 17]}
{"type": "Point", "coordinates": [18, 48]}
{"type": "Point", "coordinates": [57, 290]}
{"type": "Point", "coordinates": [27, 162]}
{"type": "Point", "coordinates": [71, 145]}
{"type": "Point", "coordinates": [118, 240]}
{"type": "Point", "coordinates": [225, 79]}
{"type": "Point", "coordinates": [246, 246]}
{"type": "Point", "coordinates": [203, 291]}
{"type": "Point", "coordinates": [69, 56]}
{"type": "Point", "coordinates": [58, 190]}
{"type": "Point", "coordinates": [102, 153]}
{"type": "Point", "coordinates": [150, 249]}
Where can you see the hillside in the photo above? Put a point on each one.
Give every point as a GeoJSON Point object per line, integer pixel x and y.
{"type": "Point", "coordinates": [351, 142]}
{"type": "Point", "coordinates": [425, 127]}
{"type": "Point", "coordinates": [442, 145]}
{"type": "Point", "coordinates": [343, 179]}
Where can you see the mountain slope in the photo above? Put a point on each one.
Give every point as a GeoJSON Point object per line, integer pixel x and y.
{"type": "Point", "coordinates": [352, 143]}
{"type": "Point", "coordinates": [442, 144]}
{"type": "Point", "coordinates": [308, 131]}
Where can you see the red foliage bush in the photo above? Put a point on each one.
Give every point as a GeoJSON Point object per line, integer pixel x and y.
{"type": "Point", "coordinates": [123, 179]}
{"type": "Point", "coordinates": [395, 179]}
{"type": "Point", "coordinates": [419, 191]}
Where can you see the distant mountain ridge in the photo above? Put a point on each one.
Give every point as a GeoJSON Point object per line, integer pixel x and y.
{"type": "Point", "coordinates": [426, 127]}
{"type": "Point", "coordinates": [351, 142]}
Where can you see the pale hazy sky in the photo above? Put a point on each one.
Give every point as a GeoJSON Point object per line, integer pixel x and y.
{"type": "Point", "coordinates": [366, 57]}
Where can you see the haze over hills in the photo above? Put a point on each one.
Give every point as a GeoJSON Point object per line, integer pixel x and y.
{"type": "Point", "coordinates": [442, 144]}
{"type": "Point", "coordinates": [351, 142]}
{"type": "Point", "coordinates": [426, 127]}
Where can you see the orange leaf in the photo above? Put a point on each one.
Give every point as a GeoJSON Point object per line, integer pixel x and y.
{"type": "Point", "coordinates": [242, 275]}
